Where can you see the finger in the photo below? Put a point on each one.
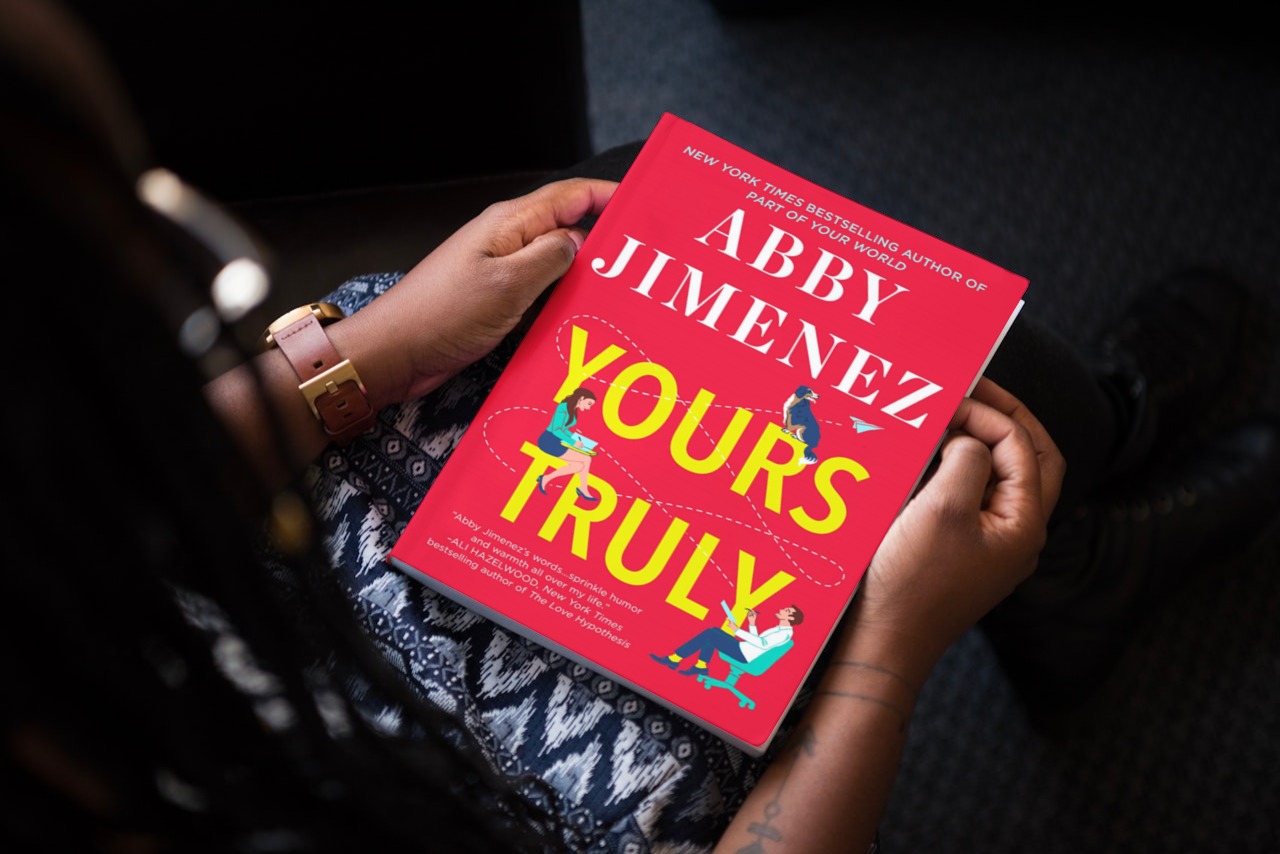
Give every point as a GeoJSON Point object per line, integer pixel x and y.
{"type": "Point", "coordinates": [544, 259]}
{"type": "Point", "coordinates": [590, 200]}
{"type": "Point", "coordinates": [1049, 458]}
{"type": "Point", "coordinates": [533, 237]}
{"type": "Point", "coordinates": [1015, 464]}
{"type": "Point", "coordinates": [1000, 399]}
{"type": "Point", "coordinates": [964, 469]}
{"type": "Point", "coordinates": [559, 204]}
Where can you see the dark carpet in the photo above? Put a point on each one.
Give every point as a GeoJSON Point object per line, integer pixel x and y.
{"type": "Point", "coordinates": [1089, 160]}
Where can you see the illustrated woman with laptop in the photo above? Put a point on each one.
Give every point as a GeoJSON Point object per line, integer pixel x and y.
{"type": "Point", "coordinates": [559, 440]}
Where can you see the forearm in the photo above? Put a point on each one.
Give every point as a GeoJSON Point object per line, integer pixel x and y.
{"type": "Point", "coordinates": [828, 788]}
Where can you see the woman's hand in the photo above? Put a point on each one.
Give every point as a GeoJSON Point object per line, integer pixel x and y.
{"type": "Point", "coordinates": [966, 539]}
{"type": "Point", "coordinates": [970, 534]}
{"type": "Point", "coordinates": [462, 299]}
{"type": "Point", "coordinates": [451, 309]}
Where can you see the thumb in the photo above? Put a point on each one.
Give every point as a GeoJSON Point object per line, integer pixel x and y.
{"type": "Point", "coordinates": [963, 473]}
{"type": "Point", "coordinates": [546, 258]}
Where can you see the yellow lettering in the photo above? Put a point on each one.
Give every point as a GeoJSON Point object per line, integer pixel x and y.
{"type": "Point", "coordinates": [656, 562]}
{"type": "Point", "coordinates": [579, 370]}
{"type": "Point", "coordinates": [538, 463]}
{"type": "Point", "coordinates": [691, 422]}
{"type": "Point", "coordinates": [583, 515]}
{"type": "Point", "coordinates": [775, 472]}
{"type": "Point", "coordinates": [662, 406]}
{"type": "Point", "coordinates": [566, 504]}
{"type": "Point", "coordinates": [679, 595]}
{"type": "Point", "coordinates": [744, 597]}
{"type": "Point", "coordinates": [835, 501]}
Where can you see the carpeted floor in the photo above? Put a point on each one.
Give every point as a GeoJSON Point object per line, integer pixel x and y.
{"type": "Point", "coordinates": [1089, 162]}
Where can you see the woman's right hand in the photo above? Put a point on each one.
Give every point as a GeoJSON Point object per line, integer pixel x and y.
{"type": "Point", "coordinates": [970, 535]}
{"type": "Point", "coordinates": [962, 543]}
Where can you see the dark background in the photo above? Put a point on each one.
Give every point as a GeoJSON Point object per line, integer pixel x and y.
{"type": "Point", "coordinates": [1089, 155]}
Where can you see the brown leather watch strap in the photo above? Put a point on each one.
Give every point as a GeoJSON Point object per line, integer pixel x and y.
{"type": "Point", "coordinates": [329, 383]}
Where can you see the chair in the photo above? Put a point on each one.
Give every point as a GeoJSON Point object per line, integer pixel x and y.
{"type": "Point", "coordinates": [755, 667]}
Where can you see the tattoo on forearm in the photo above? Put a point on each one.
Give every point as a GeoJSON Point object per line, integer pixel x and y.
{"type": "Point", "coordinates": [853, 695]}
{"type": "Point", "coordinates": [802, 743]}
{"type": "Point", "coordinates": [866, 665]}
{"type": "Point", "coordinates": [903, 714]}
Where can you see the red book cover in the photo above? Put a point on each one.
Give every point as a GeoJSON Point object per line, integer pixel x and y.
{"type": "Point", "coordinates": [703, 437]}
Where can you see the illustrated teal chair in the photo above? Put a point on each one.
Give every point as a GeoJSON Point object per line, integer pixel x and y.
{"type": "Point", "coordinates": [737, 669]}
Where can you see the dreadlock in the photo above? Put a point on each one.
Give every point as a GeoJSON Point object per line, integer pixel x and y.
{"type": "Point", "coordinates": [160, 691]}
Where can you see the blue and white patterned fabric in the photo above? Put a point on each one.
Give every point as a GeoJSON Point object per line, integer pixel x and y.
{"type": "Point", "coordinates": [630, 775]}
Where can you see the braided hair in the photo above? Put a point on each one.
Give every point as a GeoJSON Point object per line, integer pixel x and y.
{"type": "Point", "coordinates": [159, 691]}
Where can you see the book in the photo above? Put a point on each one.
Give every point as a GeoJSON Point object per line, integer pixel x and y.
{"type": "Point", "coordinates": [581, 443]}
{"type": "Point", "coordinates": [768, 368]}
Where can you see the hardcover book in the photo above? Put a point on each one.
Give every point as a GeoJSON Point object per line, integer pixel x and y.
{"type": "Point", "coordinates": [686, 468]}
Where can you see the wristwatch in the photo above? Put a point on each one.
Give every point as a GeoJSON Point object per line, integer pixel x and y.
{"type": "Point", "coordinates": [328, 382]}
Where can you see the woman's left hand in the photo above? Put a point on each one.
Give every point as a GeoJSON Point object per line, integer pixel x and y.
{"type": "Point", "coordinates": [462, 299]}
{"type": "Point", "coordinates": [451, 309]}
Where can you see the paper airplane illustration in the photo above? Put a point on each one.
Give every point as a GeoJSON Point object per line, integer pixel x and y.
{"type": "Point", "coordinates": [862, 426]}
